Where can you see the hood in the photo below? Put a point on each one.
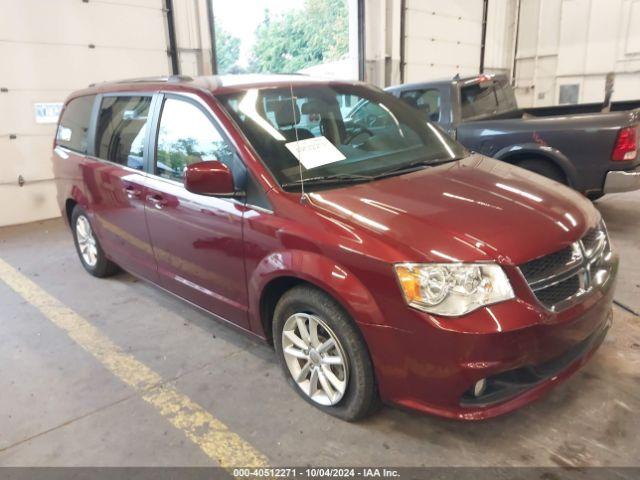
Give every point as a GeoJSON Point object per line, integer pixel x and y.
{"type": "Point", "coordinates": [475, 209]}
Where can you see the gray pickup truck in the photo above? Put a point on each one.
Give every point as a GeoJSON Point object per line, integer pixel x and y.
{"type": "Point", "coordinates": [593, 150]}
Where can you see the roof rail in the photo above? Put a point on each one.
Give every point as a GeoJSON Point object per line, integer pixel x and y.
{"type": "Point", "coordinates": [165, 79]}
{"type": "Point", "coordinates": [179, 78]}
{"type": "Point", "coordinates": [289, 73]}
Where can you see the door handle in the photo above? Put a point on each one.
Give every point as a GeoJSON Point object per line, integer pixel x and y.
{"type": "Point", "coordinates": [157, 201]}
{"type": "Point", "coordinates": [132, 192]}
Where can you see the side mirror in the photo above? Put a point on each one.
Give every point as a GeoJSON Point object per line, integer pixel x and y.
{"type": "Point", "coordinates": [211, 178]}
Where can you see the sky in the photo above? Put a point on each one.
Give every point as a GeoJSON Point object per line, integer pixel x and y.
{"type": "Point", "coordinates": [241, 17]}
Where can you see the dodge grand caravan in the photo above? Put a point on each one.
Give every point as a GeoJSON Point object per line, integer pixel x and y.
{"type": "Point", "coordinates": [382, 260]}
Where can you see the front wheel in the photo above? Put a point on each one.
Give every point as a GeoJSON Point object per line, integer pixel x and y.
{"type": "Point", "coordinates": [323, 355]}
{"type": "Point", "coordinates": [90, 252]}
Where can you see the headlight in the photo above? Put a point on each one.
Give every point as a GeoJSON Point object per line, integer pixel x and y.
{"type": "Point", "coordinates": [452, 289]}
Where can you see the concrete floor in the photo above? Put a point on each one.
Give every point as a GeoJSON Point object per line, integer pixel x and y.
{"type": "Point", "coordinates": [59, 406]}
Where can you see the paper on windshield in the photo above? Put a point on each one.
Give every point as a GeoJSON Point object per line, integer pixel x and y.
{"type": "Point", "coordinates": [315, 152]}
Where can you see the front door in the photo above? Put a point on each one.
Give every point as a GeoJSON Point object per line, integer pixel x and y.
{"type": "Point", "coordinates": [197, 239]}
{"type": "Point", "coordinates": [116, 181]}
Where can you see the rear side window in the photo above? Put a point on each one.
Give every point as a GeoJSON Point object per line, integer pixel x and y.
{"type": "Point", "coordinates": [425, 100]}
{"type": "Point", "coordinates": [73, 130]}
{"type": "Point", "coordinates": [478, 99]}
{"type": "Point", "coordinates": [121, 130]}
{"type": "Point", "coordinates": [506, 97]}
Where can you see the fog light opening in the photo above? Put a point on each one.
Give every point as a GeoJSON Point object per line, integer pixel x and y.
{"type": "Point", "coordinates": [479, 387]}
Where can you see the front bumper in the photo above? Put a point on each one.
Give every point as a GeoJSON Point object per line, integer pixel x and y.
{"type": "Point", "coordinates": [507, 385]}
{"type": "Point", "coordinates": [434, 369]}
{"type": "Point", "coordinates": [622, 180]}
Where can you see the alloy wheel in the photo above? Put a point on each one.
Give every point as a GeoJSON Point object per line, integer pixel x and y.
{"type": "Point", "coordinates": [315, 358]}
{"type": "Point", "coordinates": [86, 241]}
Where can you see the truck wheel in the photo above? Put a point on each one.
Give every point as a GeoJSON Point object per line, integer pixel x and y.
{"type": "Point", "coordinates": [91, 255]}
{"type": "Point", "coordinates": [323, 355]}
{"type": "Point", "coordinates": [544, 168]}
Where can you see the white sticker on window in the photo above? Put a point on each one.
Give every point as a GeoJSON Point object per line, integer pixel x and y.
{"type": "Point", "coordinates": [64, 134]}
{"type": "Point", "coordinates": [315, 152]}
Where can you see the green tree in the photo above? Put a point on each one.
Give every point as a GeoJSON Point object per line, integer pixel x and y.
{"type": "Point", "coordinates": [314, 34]}
{"type": "Point", "coordinates": [227, 50]}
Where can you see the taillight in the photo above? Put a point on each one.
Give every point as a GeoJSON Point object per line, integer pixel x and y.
{"type": "Point", "coordinates": [626, 147]}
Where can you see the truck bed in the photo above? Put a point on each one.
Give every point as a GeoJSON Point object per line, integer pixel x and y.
{"type": "Point", "coordinates": [564, 110]}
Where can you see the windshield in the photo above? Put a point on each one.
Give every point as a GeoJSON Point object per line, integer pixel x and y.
{"type": "Point", "coordinates": [336, 130]}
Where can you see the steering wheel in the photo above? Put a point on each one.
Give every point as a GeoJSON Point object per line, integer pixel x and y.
{"type": "Point", "coordinates": [358, 131]}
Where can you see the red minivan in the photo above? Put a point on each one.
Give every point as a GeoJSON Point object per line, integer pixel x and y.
{"type": "Point", "coordinates": [382, 260]}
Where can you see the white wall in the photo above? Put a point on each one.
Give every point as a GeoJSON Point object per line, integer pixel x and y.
{"type": "Point", "coordinates": [577, 42]}
{"type": "Point", "coordinates": [560, 42]}
{"type": "Point", "coordinates": [382, 41]}
{"type": "Point", "coordinates": [192, 36]}
{"type": "Point", "coordinates": [500, 42]}
{"type": "Point", "coordinates": [442, 38]}
{"type": "Point", "coordinates": [46, 54]}
{"type": "Point", "coordinates": [44, 46]}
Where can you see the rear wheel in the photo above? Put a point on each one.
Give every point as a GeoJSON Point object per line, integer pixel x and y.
{"type": "Point", "coordinates": [544, 168]}
{"type": "Point", "coordinates": [90, 252]}
{"type": "Point", "coordinates": [323, 355]}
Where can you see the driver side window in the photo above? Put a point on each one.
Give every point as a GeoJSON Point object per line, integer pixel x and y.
{"type": "Point", "coordinates": [185, 136]}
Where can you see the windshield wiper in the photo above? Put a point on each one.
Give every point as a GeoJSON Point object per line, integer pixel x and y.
{"type": "Point", "coordinates": [409, 167]}
{"type": "Point", "coordinates": [330, 179]}
{"type": "Point", "coordinates": [355, 178]}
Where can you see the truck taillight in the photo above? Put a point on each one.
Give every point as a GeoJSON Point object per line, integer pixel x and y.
{"type": "Point", "coordinates": [626, 147]}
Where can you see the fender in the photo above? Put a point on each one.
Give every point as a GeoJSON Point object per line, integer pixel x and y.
{"type": "Point", "coordinates": [67, 175]}
{"type": "Point", "coordinates": [80, 197]}
{"type": "Point", "coordinates": [544, 151]}
{"type": "Point", "coordinates": [317, 270]}
{"type": "Point", "coordinates": [76, 195]}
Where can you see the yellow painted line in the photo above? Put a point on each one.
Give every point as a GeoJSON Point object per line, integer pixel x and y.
{"type": "Point", "coordinates": [210, 434]}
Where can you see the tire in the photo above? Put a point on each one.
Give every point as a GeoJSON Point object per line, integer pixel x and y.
{"type": "Point", "coordinates": [359, 396]}
{"type": "Point", "coordinates": [544, 168]}
{"type": "Point", "coordinates": [93, 259]}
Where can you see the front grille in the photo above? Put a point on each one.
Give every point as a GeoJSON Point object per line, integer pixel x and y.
{"type": "Point", "coordinates": [561, 278]}
{"type": "Point", "coordinates": [559, 292]}
{"type": "Point", "coordinates": [590, 239]}
{"type": "Point", "coordinates": [593, 241]}
{"type": "Point", "coordinates": [546, 266]}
